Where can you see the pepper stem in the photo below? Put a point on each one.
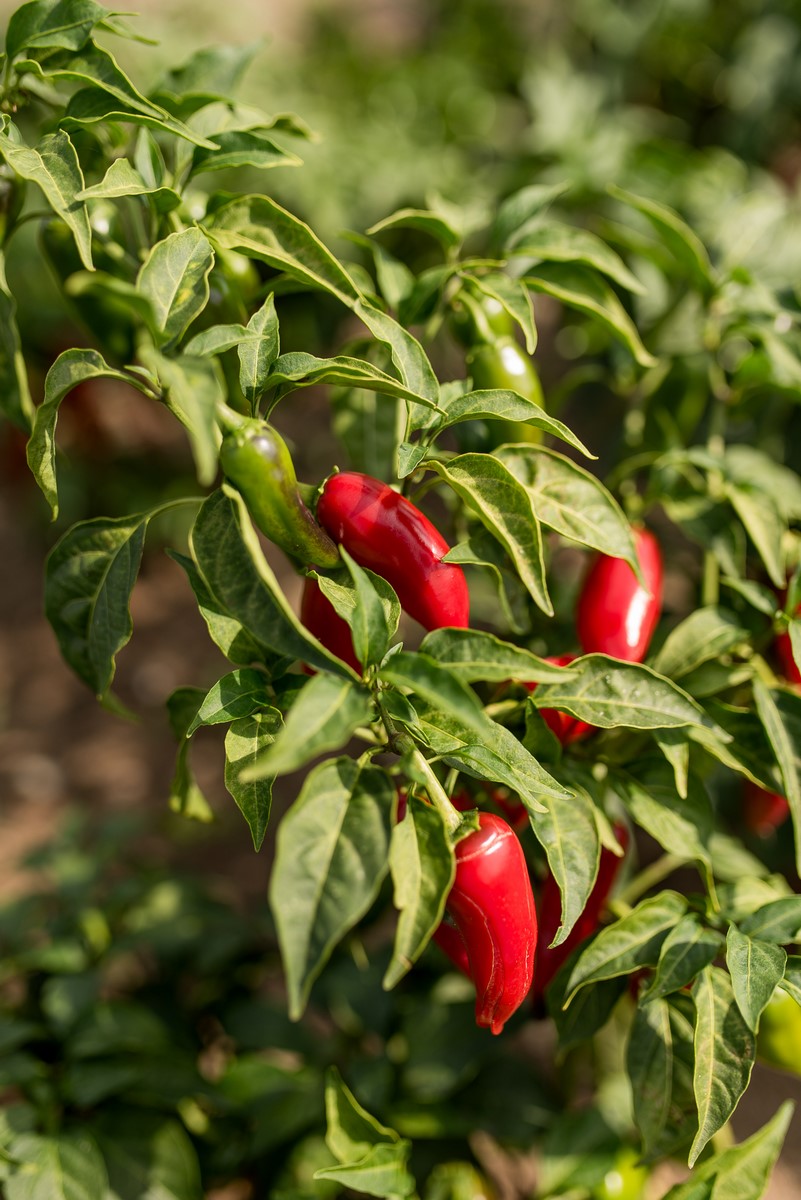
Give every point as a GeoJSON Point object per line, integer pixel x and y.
{"type": "Point", "coordinates": [402, 743]}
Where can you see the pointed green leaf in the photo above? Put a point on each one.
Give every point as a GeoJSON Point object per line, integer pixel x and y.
{"type": "Point", "coordinates": [439, 686]}
{"type": "Point", "coordinates": [686, 951]}
{"type": "Point", "coordinates": [258, 353]}
{"type": "Point", "coordinates": [784, 747]}
{"type": "Point", "coordinates": [569, 835]}
{"type": "Point", "coordinates": [649, 1062]}
{"type": "Point", "coordinates": [552, 241]}
{"type": "Point", "coordinates": [331, 858]}
{"type": "Point", "coordinates": [174, 278]}
{"type": "Point", "coordinates": [503, 405]}
{"type": "Point", "coordinates": [54, 167]}
{"type": "Point", "coordinates": [764, 524]}
{"type": "Point", "coordinates": [685, 245]}
{"type": "Point", "coordinates": [707, 633]}
{"type": "Point", "coordinates": [238, 694]}
{"type": "Point", "coordinates": [475, 654]}
{"type": "Point", "coordinates": [66, 1166]}
{"type": "Point", "coordinates": [381, 1172]}
{"type": "Point", "coordinates": [193, 389]}
{"type": "Point", "coordinates": [15, 396]}
{"type": "Point", "coordinates": [756, 967]}
{"type": "Point", "coordinates": [725, 1049]}
{"type": "Point", "coordinates": [242, 148]}
{"type": "Point", "coordinates": [422, 864]}
{"type": "Point", "coordinates": [248, 739]}
{"type": "Point", "coordinates": [296, 370]}
{"type": "Point", "coordinates": [776, 921]}
{"type": "Point", "coordinates": [122, 179]}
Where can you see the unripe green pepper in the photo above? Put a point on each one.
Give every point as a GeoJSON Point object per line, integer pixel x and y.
{"type": "Point", "coordinates": [779, 1035]}
{"type": "Point", "coordinates": [256, 460]}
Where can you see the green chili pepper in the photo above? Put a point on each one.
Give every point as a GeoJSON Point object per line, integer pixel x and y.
{"type": "Point", "coordinates": [256, 460]}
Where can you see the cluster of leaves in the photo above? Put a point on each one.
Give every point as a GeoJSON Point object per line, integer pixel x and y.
{"type": "Point", "coordinates": [655, 316]}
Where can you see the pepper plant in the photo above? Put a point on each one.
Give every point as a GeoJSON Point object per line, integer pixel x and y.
{"type": "Point", "coordinates": [556, 736]}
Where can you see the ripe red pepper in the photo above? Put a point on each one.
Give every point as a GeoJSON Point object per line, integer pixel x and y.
{"type": "Point", "coordinates": [784, 653]}
{"type": "Point", "coordinates": [321, 618]}
{"type": "Point", "coordinates": [567, 729]}
{"type": "Point", "coordinates": [616, 615]}
{"type": "Point", "coordinates": [550, 959]}
{"type": "Point", "coordinates": [387, 534]}
{"type": "Point", "coordinates": [763, 811]}
{"type": "Point", "coordinates": [451, 943]}
{"type": "Point", "coordinates": [492, 906]}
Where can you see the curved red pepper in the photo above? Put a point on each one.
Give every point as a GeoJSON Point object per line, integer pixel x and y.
{"type": "Point", "coordinates": [451, 943]}
{"type": "Point", "coordinates": [492, 906]}
{"type": "Point", "coordinates": [616, 615]}
{"type": "Point", "coordinates": [321, 618]}
{"type": "Point", "coordinates": [550, 958]}
{"type": "Point", "coordinates": [784, 653]}
{"type": "Point", "coordinates": [763, 811]}
{"type": "Point", "coordinates": [386, 533]}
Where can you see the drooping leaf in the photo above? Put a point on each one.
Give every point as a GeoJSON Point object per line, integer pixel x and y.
{"type": "Point", "coordinates": [64, 1166]}
{"type": "Point", "coordinates": [258, 353]}
{"type": "Point", "coordinates": [246, 741]}
{"type": "Point", "coordinates": [475, 654]}
{"type": "Point", "coordinates": [707, 633]}
{"type": "Point", "coordinates": [174, 278]}
{"type": "Point", "coordinates": [686, 951]}
{"type": "Point", "coordinates": [55, 168]}
{"type": "Point", "coordinates": [15, 396]}
{"type": "Point", "coordinates": [502, 405]}
{"type": "Point", "coordinates": [756, 967]}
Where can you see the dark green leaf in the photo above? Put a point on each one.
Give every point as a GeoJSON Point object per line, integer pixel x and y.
{"type": "Point", "coordinates": [764, 525]}
{"type": "Point", "coordinates": [756, 967]}
{"type": "Point", "coordinates": [67, 1166]}
{"type": "Point", "coordinates": [193, 389]}
{"type": "Point", "coordinates": [371, 625]}
{"type": "Point", "coordinates": [741, 1172]}
{"type": "Point", "coordinates": [474, 654]}
{"type": "Point", "coordinates": [439, 686]}
{"type": "Point", "coordinates": [238, 694]}
{"type": "Point", "coordinates": [686, 951]}
{"type": "Point", "coordinates": [15, 396]}
{"type": "Point", "coordinates": [330, 860]}
{"type": "Point", "coordinates": [149, 1155]}
{"type": "Point", "coordinates": [776, 921]}
{"type": "Point", "coordinates": [292, 371]}
{"type": "Point", "coordinates": [243, 148]}
{"type": "Point", "coordinates": [427, 222]}
{"type": "Point", "coordinates": [246, 741]}
{"type": "Point", "coordinates": [259, 351]}
{"type": "Point", "coordinates": [503, 405]}
{"type": "Point", "coordinates": [706, 634]}
{"type": "Point", "coordinates": [725, 1049]}
{"type": "Point", "coordinates": [786, 749]}
{"type": "Point", "coordinates": [569, 835]}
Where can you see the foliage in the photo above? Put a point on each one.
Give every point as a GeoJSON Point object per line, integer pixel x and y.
{"type": "Point", "coordinates": [671, 362]}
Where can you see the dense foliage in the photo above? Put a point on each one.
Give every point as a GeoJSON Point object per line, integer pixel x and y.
{"type": "Point", "coordinates": [603, 335]}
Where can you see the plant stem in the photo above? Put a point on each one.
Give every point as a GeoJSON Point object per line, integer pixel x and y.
{"type": "Point", "coordinates": [402, 743]}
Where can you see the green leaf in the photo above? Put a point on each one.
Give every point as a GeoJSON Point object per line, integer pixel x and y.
{"type": "Point", "coordinates": [67, 1166]}
{"type": "Point", "coordinates": [500, 404]}
{"type": "Point", "coordinates": [522, 210]}
{"type": "Point", "coordinates": [571, 501]}
{"type": "Point", "coordinates": [649, 1063]}
{"type": "Point", "coordinates": [122, 179]}
{"type": "Point", "coordinates": [436, 684]}
{"type": "Point", "coordinates": [70, 369]}
{"type": "Point", "coordinates": [427, 222]}
{"type": "Point", "coordinates": [792, 977]}
{"type": "Point", "coordinates": [174, 278]}
{"type": "Point", "coordinates": [148, 1155]}
{"type": "Point", "coordinates": [230, 561]}
{"type": "Point", "coordinates": [246, 741]}
{"type": "Point", "coordinates": [15, 397]}
{"type": "Point", "coordinates": [552, 241]}
{"type": "Point", "coordinates": [587, 1013]}
{"type": "Point", "coordinates": [193, 388]}
{"type": "Point", "coordinates": [764, 525]}
{"type": "Point", "coordinates": [54, 167]}
{"type": "Point", "coordinates": [756, 967]}
{"type": "Point", "coordinates": [381, 1172]}
{"type": "Point", "coordinates": [683, 243]}
{"type": "Point", "coordinates": [569, 835]}
{"type": "Point", "coordinates": [210, 72]}
{"type": "Point", "coordinates": [370, 430]}
{"type": "Point", "coordinates": [482, 550]}
{"type": "Point", "coordinates": [474, 654]}
{"type": "Point", "coordinates": [331, 858]}
{"type": "Point", "coordinates": [686, 951]}
{"type": "Point", "coordinates": [741, 1172]}
{"type": "Point", "coordinates": [350, 1130]}
{"type": "Point", "coordinates": [371, 625]}
{"type": "Point", "coordinates": [408, 356]}
{"type": "Point", "coordinates": [681, 825]}
{"type": "Point", "coordinates": [607, 692]}
{"type": "Point", "coordinates": [242, 148]}
{"type": "Point", "coordinates": [496, 757]}
{"type": "Point", "coordinates": [708, 633]}
{"type": "Point", "coordinates": [236, 643]}
{"type": "Point", "coordinates": [775, 921]}
{"type": "Point", "coordinates": [422, 864]}
{"type": "Point", "coordinates": [784, 747]}
{"type": "Point", "coordinates": [89, 577]}
{"type": "Point", "coordinates": [292, 371]}
{"type": "Point", "coordinates": [52, 24]}
{"type": "Point", "coordinates": [186, 797]}
{"type": "Point", "coordinates": [324, 717]}
{"type": "Point", "coordinates": [503, 506]}
{"type": "Point", "coordinates": [238, 694]}
{"type": "Point", "coordinates": [514, 296]}
{"type": "Point", "coordinates": [631, 942]}
{"type": "Point", "coordinates": [725, 1049]}
{"type": "Point", "coordinates": [259, 351]}
{"type": "Point", "coordinates": [346, 598]}
{"type": "Point", "coordinates": [583, 289]}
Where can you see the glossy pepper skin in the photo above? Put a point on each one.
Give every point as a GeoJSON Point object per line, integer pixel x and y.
{"type": "Point", "coordinates": [616, 615]}
{"type": "Point", "coordinates": [503, 366]}
{"type": "Point", "coordinates": [550, 959]}
{"type": "Point", "coordinates": [256, 460]}
{"type": "Point", "coordinates": [492, 906]}
{"type": "Point", "coordinates": [387, 534]}
{"type": "Point", "coordinates": [320, 617]}
{"type": "Point", "coordinates": [451, 943]}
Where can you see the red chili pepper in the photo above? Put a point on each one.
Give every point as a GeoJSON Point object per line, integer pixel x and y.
{"type": "Point", "coordinates": [321, 618]}
{"type": "Point", "coordinates": [616, 615]}
{"type": "Point", "coordinates": [386, 533]}
{"type": "Point", "coordinates": [567, 729]}
{"type": "Point", "coordinates": [784, 653]}
{"type": "Point", "coordinates": [763, 811]}
{"type": "Point", "coordinates": [451, 943]}
{"type": "Point", "coordinates": [492, 906]}
{"type": "Point", "coordinates": [550, 959]}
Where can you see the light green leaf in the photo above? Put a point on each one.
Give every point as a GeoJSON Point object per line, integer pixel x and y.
{"type": "Point", "coordinates": [725, 1049]}
{"type": "Point", "coordinates": [649, 1063]}
{"type": "Point", "coordinates": [331, 858]}
{"type": "Point", "coordinates": [683, 243]}
{"type": "Point", "coordinates": [296, 370]}
{"type": "Point", "coordinates": [503, 506]}
{"type": "Point", "coordinates": [427, 678]}
{"type": "Point", "coordinates": [682, 826]}
{"type": "Point", "coordinates": [500, 404]}
{"type": "Point", "coordinates": [382, 1172]}
{"type": "Point", "coordinates": [175, 279]}
{"type": "Point", "coordinates": [775, 921]}
{"type": "Point", "coordinates": [350, 1129]}
{"type": "Point", "coordinates": [606, 692]}
{"type": "Point", "coordinates": [631, 942]}
{"type": "Point", "coordinates": [193, 389]}
{"type": "Point", "coordinates": [186, 797]}
{"type": "Point", "coordinates": [422, 864]}
{"type": "Point", "coordinates": [52, 24]}
{"type": "Point", "coordinates": [756, 967]}
{"type": "Point", "coordinates": [242, 148]}
{"type": "Point", "coordinates": [514, 296]}
{"type": "Point", "coordinates": [70, 369]}
{"type": "Point", "coordinates": [475, 654]}
{"type": "Point", "coordinates": [522, 210]}
{"type": "Point", "coordinates": [552, 241]}
{"type": "Point", "coordinates": [55, 168]}
{"type": "Point", "coordinates": [741, 1172]}
{"type": "Point", "coordinates": [371, 625]}
{"type": "Point", "coordinates": [245, 742]}
{"type": "Point", "coordinates": [122, 179]}
{"type": "Point", "coordinates": [784, 747]}
{"type": "Point", "coordinates": [571, 501]}
{"type": "Point", "coordinates": [67, 1166]}
{"type": "Point", "coordinates": [346, 597]}
{"type": "Point", "coordinates": [238, 694]}
{"type": "Point", "coordinates": [581, 288]}
{"type": "Point", "coordinates": [427, 222]}
{"type": "Point", "coordinates": [708, 633]}
{"type": "Point", "coordinates": [764, 525]}
{"type": "Point", "coordinates": [259, 351]}
{"type": "Point", "coordinates": [568, 833]}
